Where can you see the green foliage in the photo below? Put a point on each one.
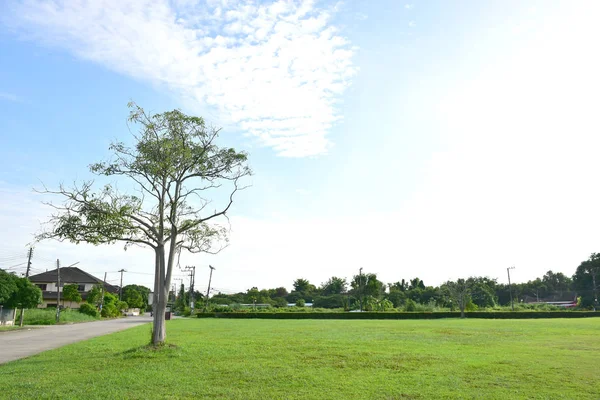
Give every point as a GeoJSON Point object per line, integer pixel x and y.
{"type": "Point", "coordinates": [94, 296]}
{"type": "Point", "coordinates": [70, 293]}
{"type": "Point", "coordinates": [88, 309]}
{"type": "Point", "coordinates": [18, 292]}
{"type": "Point", "coordinates": [410, 306]}
{"type": "Point", "coordinates": [122, 305]}
{"type": "Point", "coordinates": [8, 286]}
{"type": "Point", "coordinates": [367, 285]}
{"type": "Point", "coordinates": [110, 298]}
{"type": "Point", "coordinates": [300, 303]}
{"type": "Point", "coordinates": [280, 302]}
{"type": "Point", "coordinates": [110, 310]}
{"type": "Point", "coordinates": [142, 290]}
{"type": "Point", "coordinates": [332, 301]}
{"type": "Point", "coordinates": [47, 316]}
{"type": "Point", "coordinates": [334, 286]}
{"type": "Point", "coordinates": [402, 315]}
{"type": "Point", "coordinates": [133, 297]}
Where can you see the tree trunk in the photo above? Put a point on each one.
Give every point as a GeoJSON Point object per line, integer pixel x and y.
{"type": "Point", "coordinates": [159, 332]}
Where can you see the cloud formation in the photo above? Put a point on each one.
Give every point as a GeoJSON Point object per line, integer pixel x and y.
{"type": "Point", "coordinates": [276, 70]}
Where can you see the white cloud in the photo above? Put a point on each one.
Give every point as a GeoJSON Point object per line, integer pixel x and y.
{"type": "Point", "coordinates": [412, 24]}
{"type": "Point", "coordinates": [276, 70]}
{"type": "Point", "coordinates": [409, 6]}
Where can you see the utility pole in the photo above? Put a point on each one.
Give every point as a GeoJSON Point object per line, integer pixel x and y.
{"type": "Point", "coordinates": [26, 276]}
{"type": "Point", "coordinates": [102, 296]}
{"type": "Point", "coordinates": [121, 287]}
{"type": "Point", "coordinates": [192, 270]}
{"type": "Point", "coordinates": [208, 290]}
{"type": "Point", "coordinates": [57, 290]}
{"type": "Point", "coordinates": [360, 299]}
{"type": "Point", "coordinates": [512, 304]}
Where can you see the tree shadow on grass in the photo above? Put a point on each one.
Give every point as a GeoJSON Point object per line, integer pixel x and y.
{"type": "Point", "coordinates": [150, 351]}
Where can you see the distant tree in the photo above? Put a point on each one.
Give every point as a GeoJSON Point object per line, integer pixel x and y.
{"type": "Point", "coordinates": [133, 298]}
{"type": "Point", "coordinates": [94, 296]}
{"type": "Point", "coordinates": [302, 285]}
{"type": "Point", "coordinates": [300, 303]}
{"type": "Point", "coordinates": [332, 301]}
{"type": "Point", "coordinates": [459, 292]}
{"type": "Point", "coordinates": [334, 285]}
{"type": "Point", "coordinates": [27, 295]}
{"type": "Point", "coordinates": [368, 285]}
{"type": "Point", "coordinates": [143, 291]}
{"type": "Point", "coordinates": [8, 285]}
{"type": "Point", "coordinates": [280, 302]}
{"type": "Point", "coordinates": [401, 286]}
{"type": "Point", "coordinates": [557, 282]}
{"type": "Point", "coordinates": [396, 296]}
{"type": "Point", "coordinates": [482, 291]}
{"type": "Point", "coordinates": [182, 299]}
{"type": "Point", "coordinates": [279, 292]}
{"type": "Point", "coordinates": [416, 283]}
{"type": "Point", "coordinates": [70, 293]}
{"type": "Point", "coordinates": [587, 281]}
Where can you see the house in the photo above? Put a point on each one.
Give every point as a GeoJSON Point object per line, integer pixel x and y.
{"type": "Point", "coordinates": [47, 282]}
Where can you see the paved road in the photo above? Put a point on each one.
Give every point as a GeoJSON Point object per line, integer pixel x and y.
{"type": "Point", "coordinates": [24, 343]}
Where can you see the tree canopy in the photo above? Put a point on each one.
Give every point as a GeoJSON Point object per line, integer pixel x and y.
{"type": "Point", "coordinates": [16, 292]}
{"type": "Point", "coordinates": [175, 168]}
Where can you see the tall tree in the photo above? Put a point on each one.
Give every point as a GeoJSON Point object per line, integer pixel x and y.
{"type": "Point", "coordinates": [587, 280]}
{"type": "Point", "coordinates": [459, 292]}
{"type": "Point", "coordinates": [301, 285]}
{"type": "Point", "coordinates": [174, 165]}
{"type": "Point", "coordinates": [334, 285]}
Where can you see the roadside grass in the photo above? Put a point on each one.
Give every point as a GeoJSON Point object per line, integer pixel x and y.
{"type": "Point", "coordinates": [9, 328]}
{"type": "Point", "coordinates": [47, 316]}
{"type": "Point", "coordinates": [323, 359]}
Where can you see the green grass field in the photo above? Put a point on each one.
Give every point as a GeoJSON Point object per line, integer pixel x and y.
{"type": "Point", "coordinates": [313, 359]}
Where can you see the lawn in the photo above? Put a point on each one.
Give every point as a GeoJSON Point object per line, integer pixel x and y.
{"type": "Point", "coordinates": [323, 359]}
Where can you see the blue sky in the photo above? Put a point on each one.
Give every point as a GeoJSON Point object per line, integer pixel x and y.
{"type": "Point", "coordinates": [432, 139]}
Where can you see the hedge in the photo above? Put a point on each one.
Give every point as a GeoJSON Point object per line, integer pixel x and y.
{"type": "Point", "coordinates": [406, 315]}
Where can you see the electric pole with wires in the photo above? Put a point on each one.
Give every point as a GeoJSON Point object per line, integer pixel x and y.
{"type": "Point", "coordinates": [30, 253]}
{"type": "Point", "coordinates": [192, 270]}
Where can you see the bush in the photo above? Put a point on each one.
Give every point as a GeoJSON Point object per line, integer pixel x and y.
{"type": "Point", "coordinates": [121, 305]}
{"type": "Point", "coordinates": [110, 311]}
{"type": "Point", "coordinates": [410, 306]}
{"type": "Point", "coordinates": [88, 309]}
{"type": "Point", "coordinates": [333, 301]}
{"type": "Point", "coordinates": [300, 303]}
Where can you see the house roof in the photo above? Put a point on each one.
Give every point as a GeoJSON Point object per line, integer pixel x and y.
{"type": "Point", "coordinates": [68, 275]}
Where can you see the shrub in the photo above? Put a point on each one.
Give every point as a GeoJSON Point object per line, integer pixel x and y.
{"type": "Point", "coordinates": [121, 305]}
{"type": "Point", "coordinates": [222, 308]}
{"type": "Point", "coordinates": [110, 311]}
{"type": "Point", "coordinates": [410, 306]}
{"type": "Point", "coordinates": [88, 309]}
{"type": "Point", "coordinates": [300, 303]}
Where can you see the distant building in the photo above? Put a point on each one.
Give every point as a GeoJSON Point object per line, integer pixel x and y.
{"type": "Point", "coordinates": [564, 299]}
{"type": "Point", "coordinates": [47, 282]}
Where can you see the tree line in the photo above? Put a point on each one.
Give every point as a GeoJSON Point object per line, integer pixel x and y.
{"type": "Point", "coordinates": [366, 291]}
